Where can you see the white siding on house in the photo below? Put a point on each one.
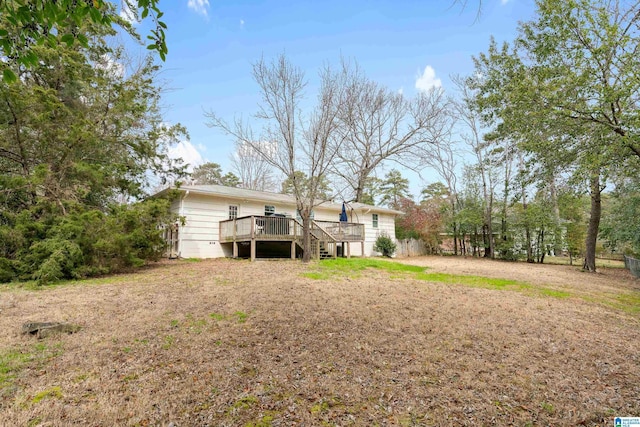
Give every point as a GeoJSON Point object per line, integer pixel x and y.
{"type": "Point", "coordinates": [386, 225]}
{"type": "Point", "coordinates": [324, 214]}
{"type": "Point", "coordinates": [199, 236]}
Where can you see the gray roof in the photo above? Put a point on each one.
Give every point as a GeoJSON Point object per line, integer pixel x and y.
{"type": "Point", "coordinates": [265, 196]}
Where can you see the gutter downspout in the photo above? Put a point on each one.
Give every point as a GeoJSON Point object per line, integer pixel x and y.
{"type": "Point", "coordinates": [181, 214]}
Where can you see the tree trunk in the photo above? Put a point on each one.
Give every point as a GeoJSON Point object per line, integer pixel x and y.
{"type": "Point", "coordinates": [489, 243]}
{"type": "Point", "coordinates": [540, 250]}
{"type": "Point", "coordinates": [488, 206]}
{"type": "Point", "coordinates": [527, 229]}
{"type": "Point", "coordinates": [486, 236]}
{"type": "Point", "coordinates": [594, 224]}
{"type": "Point", "coordinates": [455, 239]}
{"type": "Point", "coordinates": [476, 246]}
{"type": "Point", "coordinates": [505, 201]}
{"type": "Point", "coordinates": [365, 171]}
{"type": "Point", "coordinates": [359, 193]}
{"type": "Point", "coordinates": [557, 244]}
{"type": "Point", "coordinates": [527, 233]}
{"type": "Point", "coordinates": [306, 236]}
{"type": "Point", "coordinates": [503, 225]}
{"type": "Point", "coordinates": [455, 225]}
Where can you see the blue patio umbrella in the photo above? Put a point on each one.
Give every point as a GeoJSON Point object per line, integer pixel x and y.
{"type": "Point", "coordinates": [343, 214]}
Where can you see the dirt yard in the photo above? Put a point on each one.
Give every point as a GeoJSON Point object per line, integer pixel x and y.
{"type": "Point", "coordinates": [234, 343]}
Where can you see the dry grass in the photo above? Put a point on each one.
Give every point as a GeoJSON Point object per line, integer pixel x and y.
{"type": "Point", "coordinates": [233, 343]}
{"type": "Point", "coordinates": [577, 262]}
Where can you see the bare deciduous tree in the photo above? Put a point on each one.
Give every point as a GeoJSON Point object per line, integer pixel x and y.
{"type": "Point", "coordinates": [299, 141]}
{"type": "Point", "coordinates": [254, 171]}
{"type": "Point", "coordinates": [381, 124]}
{"type": "Point", "coordinates": [473, 136]}
{"type": "Point", "coordinates": [444, 159]}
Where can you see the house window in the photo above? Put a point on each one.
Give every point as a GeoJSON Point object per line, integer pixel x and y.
{"type": "Point", "coordinates": [233, 212]}
{"type": "Point", "coordinates": [374, 218]}
{"type": "Point", "coordinates": [269, 210]}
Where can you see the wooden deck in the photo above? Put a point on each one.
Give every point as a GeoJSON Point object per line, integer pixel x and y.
{"type": "Point", "coordinates": [325, 235]}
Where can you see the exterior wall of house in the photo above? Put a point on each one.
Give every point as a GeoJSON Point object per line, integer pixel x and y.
{"type": "Point", "coordinates": [331, 214]}
{"type": "Point", "coordinates": [199, 236]}
{"type": "Point", "coordinates": [386, 225]}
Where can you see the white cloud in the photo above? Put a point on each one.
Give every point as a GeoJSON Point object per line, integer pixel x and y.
{"type": "Point", "coordinates": [242, 24]}
{"type": "Point", "coordinates": [428, 79]}
{"type": "Point", "coordinates": [401, 91]}
{"type": "Point", "coordinates": [111, 66]}
{"type": "Point", "coordinates": [199, 6]}
{"type": "Point", "coordinates": [127, 13]}
{"type": "Point", "coordinates": [186, 151]}
{"type": "Point", "coordinates": [504, 2]}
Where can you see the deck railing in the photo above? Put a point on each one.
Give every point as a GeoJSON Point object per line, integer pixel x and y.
{"type": "Point", "coordinates": [343, 231]}
{"type": "Point", "coordinates": [325, 235]}
{"type": "Point", "coordinates": [282, 228]}
{"type": "Point", "coordinates": [259, 227]}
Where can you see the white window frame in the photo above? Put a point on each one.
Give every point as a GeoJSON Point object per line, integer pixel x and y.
{"type": "Point", "coordinates": [375, 220]}
{"type": "Point", "coordinates": [269, 210]}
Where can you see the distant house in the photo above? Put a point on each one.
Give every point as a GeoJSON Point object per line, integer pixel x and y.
{"type": "Point", "coordinates": [223, 221]}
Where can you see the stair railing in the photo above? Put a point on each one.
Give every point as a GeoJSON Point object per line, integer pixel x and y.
{"type": "Point", "coordinates": [330, 244]}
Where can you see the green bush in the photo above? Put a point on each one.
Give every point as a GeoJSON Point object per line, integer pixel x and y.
{"type": "Point", "coordinates": [45, 246]}
{"type": "Point", "coordinates": [505, 250]}
{"type": "Point", "coordinates": [59, 259]}
{"type": "Point", "coordinates": [7, 270]}
{"type": "Point", "coordinates": [385, 245]}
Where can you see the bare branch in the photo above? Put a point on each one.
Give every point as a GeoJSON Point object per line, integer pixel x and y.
{"type": "Point", "coordinates": [290, 141]}
{"type": "Point", "coordinates": [381, 125]}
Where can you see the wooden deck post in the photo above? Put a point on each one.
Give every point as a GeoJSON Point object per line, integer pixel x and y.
{"type": "Point", "coordinates": [362, 248]}
{"type": "Point", "coordinates": [293, 249]}
{"type": "Point", "coordinates": [253, 239]}
{"type": "Point", "coordinates": [348, 250]}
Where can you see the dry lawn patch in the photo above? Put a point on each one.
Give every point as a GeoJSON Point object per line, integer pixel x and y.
{"type": "Point", "coordinates": [234, 343]}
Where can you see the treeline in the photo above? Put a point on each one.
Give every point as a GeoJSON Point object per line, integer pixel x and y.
{"type": "Point", "coordinates": [553, 221]}
{"type": "Point", "coordinates": [549, 124]}
{"type": "Point", "coordinates": [81, 135]}
{"type": "Point", "coordinates": [563, 97]}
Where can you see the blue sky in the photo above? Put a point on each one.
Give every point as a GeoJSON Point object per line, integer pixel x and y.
{"type": "Point", "coordinates": [401, 44]}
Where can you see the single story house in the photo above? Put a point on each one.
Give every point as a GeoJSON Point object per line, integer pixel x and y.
{"type": "Point", "coordinates": [218, 221]}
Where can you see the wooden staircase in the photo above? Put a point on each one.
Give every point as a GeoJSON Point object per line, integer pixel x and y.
{"type": "Point", "coordinates": [323, 245]}
{"type": "Point", "coordinates": [320, 249]}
